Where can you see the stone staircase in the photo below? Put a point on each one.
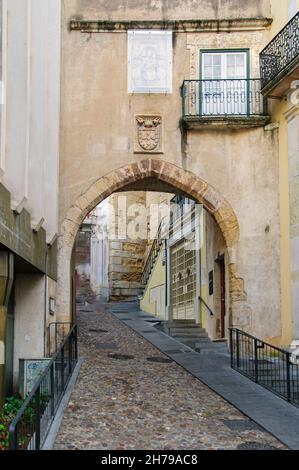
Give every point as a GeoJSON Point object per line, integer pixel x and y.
{"type": "Point", "coordinates": [194, 336]}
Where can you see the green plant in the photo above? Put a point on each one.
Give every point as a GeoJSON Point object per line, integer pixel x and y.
{"type": "Point", "coordinates": [7, 414]}
{"type": "Point", "coordinates": [10, 409]}
{"type": "Point", "coordinates": [12, 405]}
{"type": "Point", "coordinates": [4, 432]}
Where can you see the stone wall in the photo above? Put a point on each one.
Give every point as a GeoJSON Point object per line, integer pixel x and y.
{"type": "Point", "coordinates": [82, 253]}
{"type": "Point", "coordinates": [126, 249]}
{"type": "Point", "coordinates": [168, 9]}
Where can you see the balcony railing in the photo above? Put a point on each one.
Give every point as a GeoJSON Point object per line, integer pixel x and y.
{"type": "Point", "coordinates": [279, 57]}
{"type": "Point", "coordinates": [56, 334]}
{"type": "Point", "coordinates": [223, 98]}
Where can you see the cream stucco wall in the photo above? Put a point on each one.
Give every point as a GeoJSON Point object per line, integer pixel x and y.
{"type": "Point", "coordinates": [153, 300]}
{"type": "Point", "coordinates": [282, 12]}
{"type": "Point", "coordinates": [214, 247]}
{"type": "Point", "coordinates": [98, 113]}
{"type": "Point", "coordinates": [167, 9]}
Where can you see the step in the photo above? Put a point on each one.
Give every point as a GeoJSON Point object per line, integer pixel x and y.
{"type": "Point", "coordinates": [185, 330]}
{"type": "Point", "coordinates": [209, 344]}
{"type": "Point", "coordinates": [210, 351]}
{"type": "Point", "coordinates": [182, 324]}
{"type": "Point", "coordinates": [195, 335]}
{"type": "Point", "coordinates": [220, 345]}
{"type": "Point", "coordinates": [190, 344]}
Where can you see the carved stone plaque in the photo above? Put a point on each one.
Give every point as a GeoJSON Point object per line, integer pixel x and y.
{"type": "Point", "coordinates": [150, 61]}
{"type": "Point", "coordinates": [148, 134]}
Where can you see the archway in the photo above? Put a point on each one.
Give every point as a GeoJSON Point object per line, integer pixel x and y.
{"type": "Point", "coordinates": [151, 169]}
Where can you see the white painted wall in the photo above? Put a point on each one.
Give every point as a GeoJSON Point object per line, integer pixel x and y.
{"type": "Point", "coordinates": [293, 7]}
{"type": "Point", "coordinates": [29, 318]}
{"type": "Point", "coordinates": [99, 252]}
{"type": "Point", "coordinates": [30, 117]}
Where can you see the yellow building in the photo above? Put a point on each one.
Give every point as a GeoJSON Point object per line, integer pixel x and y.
{"type": "Point", "coordinates": [184, 274]}
{"type": "Point", "coordinates": [280, 75]}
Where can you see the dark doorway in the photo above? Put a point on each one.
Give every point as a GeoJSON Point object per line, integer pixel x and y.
{"type": "Point", "coordinates": [221, 264]}
{"type": "Point", "coordinates": [9, 346]}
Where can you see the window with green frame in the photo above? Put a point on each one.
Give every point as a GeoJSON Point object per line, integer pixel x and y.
{"type": "Point", "coordinates": [224, 82]}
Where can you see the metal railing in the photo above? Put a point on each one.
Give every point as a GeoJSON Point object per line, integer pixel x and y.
{"type": "Point", "coordinates": [274, 368]}
{"type": "Point", "coordinates": [238, 97]}
{"type": "Point", "coordinates": [29, 429]}
{"type": "Point", "coordinates": [152, 256]}
{"type": "Point", "coordinates": [56, 334]}
{"type": "Point", "coordinates": [279, 55]}
{"type": "Point", "coordinates": [206, 305]}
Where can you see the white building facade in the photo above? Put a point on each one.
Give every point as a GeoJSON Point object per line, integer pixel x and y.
{"type": "Point", "coordinates": [29, 172]}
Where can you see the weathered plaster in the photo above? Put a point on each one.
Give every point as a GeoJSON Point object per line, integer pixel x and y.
{"type": "Point", "coordinates": [97, 114]}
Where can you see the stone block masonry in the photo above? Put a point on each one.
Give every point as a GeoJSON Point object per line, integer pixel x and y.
{"type": "Point", "coordinates": [126, 255]}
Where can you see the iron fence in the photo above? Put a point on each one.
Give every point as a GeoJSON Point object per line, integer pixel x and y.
{"type": "Point", "coordinates": [238, 97]}
{"type": "Point", "coordinates": [30, 427]}
{"type": "Point", "coordinates": [56, 334]}
{"type": "Point", "coordinates": [274, 368]}
{"type": "Point", "coordinates": [279, 55]}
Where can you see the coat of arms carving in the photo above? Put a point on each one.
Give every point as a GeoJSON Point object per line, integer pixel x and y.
{"type": "Point", "coordinates": [148, 134]}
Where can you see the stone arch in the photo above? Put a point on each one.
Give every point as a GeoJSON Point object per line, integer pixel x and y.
{"type": "Point", "coordinates": [168, 173]}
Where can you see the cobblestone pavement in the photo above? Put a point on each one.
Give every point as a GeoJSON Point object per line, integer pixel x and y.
{"type": "Point", "coordinates": [130, 403]}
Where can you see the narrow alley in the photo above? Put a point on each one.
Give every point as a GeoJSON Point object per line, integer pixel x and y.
{"type": "Point", "coordinates": [123, 400]}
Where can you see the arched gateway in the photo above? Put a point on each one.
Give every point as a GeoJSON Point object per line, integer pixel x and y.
{"type": "Point", "coordinates": [144, 174]}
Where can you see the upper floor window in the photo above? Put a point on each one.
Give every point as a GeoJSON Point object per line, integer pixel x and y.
{"type": "Point", "coordinates": [224, 65]}
{"type": "Point", "coordinates": [150, 61]}
{"type": "Point", "coordinates": [224, 84]}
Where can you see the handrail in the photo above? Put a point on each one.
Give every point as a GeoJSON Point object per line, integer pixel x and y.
{"type": "Point", "coordinates": [59, 335]}
{"type": "Point", "coordinates": [220, 80]}
{"type": "Point", "coordinates": [67, 353]}
{"type": "Point", "coordinates": [206, 305]}
{"type": "Point", "coordinates": [244, 333]}
{"type": "Point", "coordinates": [270, 366]}
{"type": "Point", "coordinates": [154, 251]}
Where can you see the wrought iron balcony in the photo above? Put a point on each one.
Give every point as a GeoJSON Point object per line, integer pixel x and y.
{"type": "Point", "coordinates": [280, 60]}
{"type": "Point", "coordinates": [227, 103]}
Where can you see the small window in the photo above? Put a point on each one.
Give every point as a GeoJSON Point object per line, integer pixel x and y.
{"type": "Point", "coordinates": [224, 65]}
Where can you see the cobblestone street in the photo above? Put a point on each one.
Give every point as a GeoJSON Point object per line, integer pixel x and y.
{"type": "Point", "coordinates": [127, 402]}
